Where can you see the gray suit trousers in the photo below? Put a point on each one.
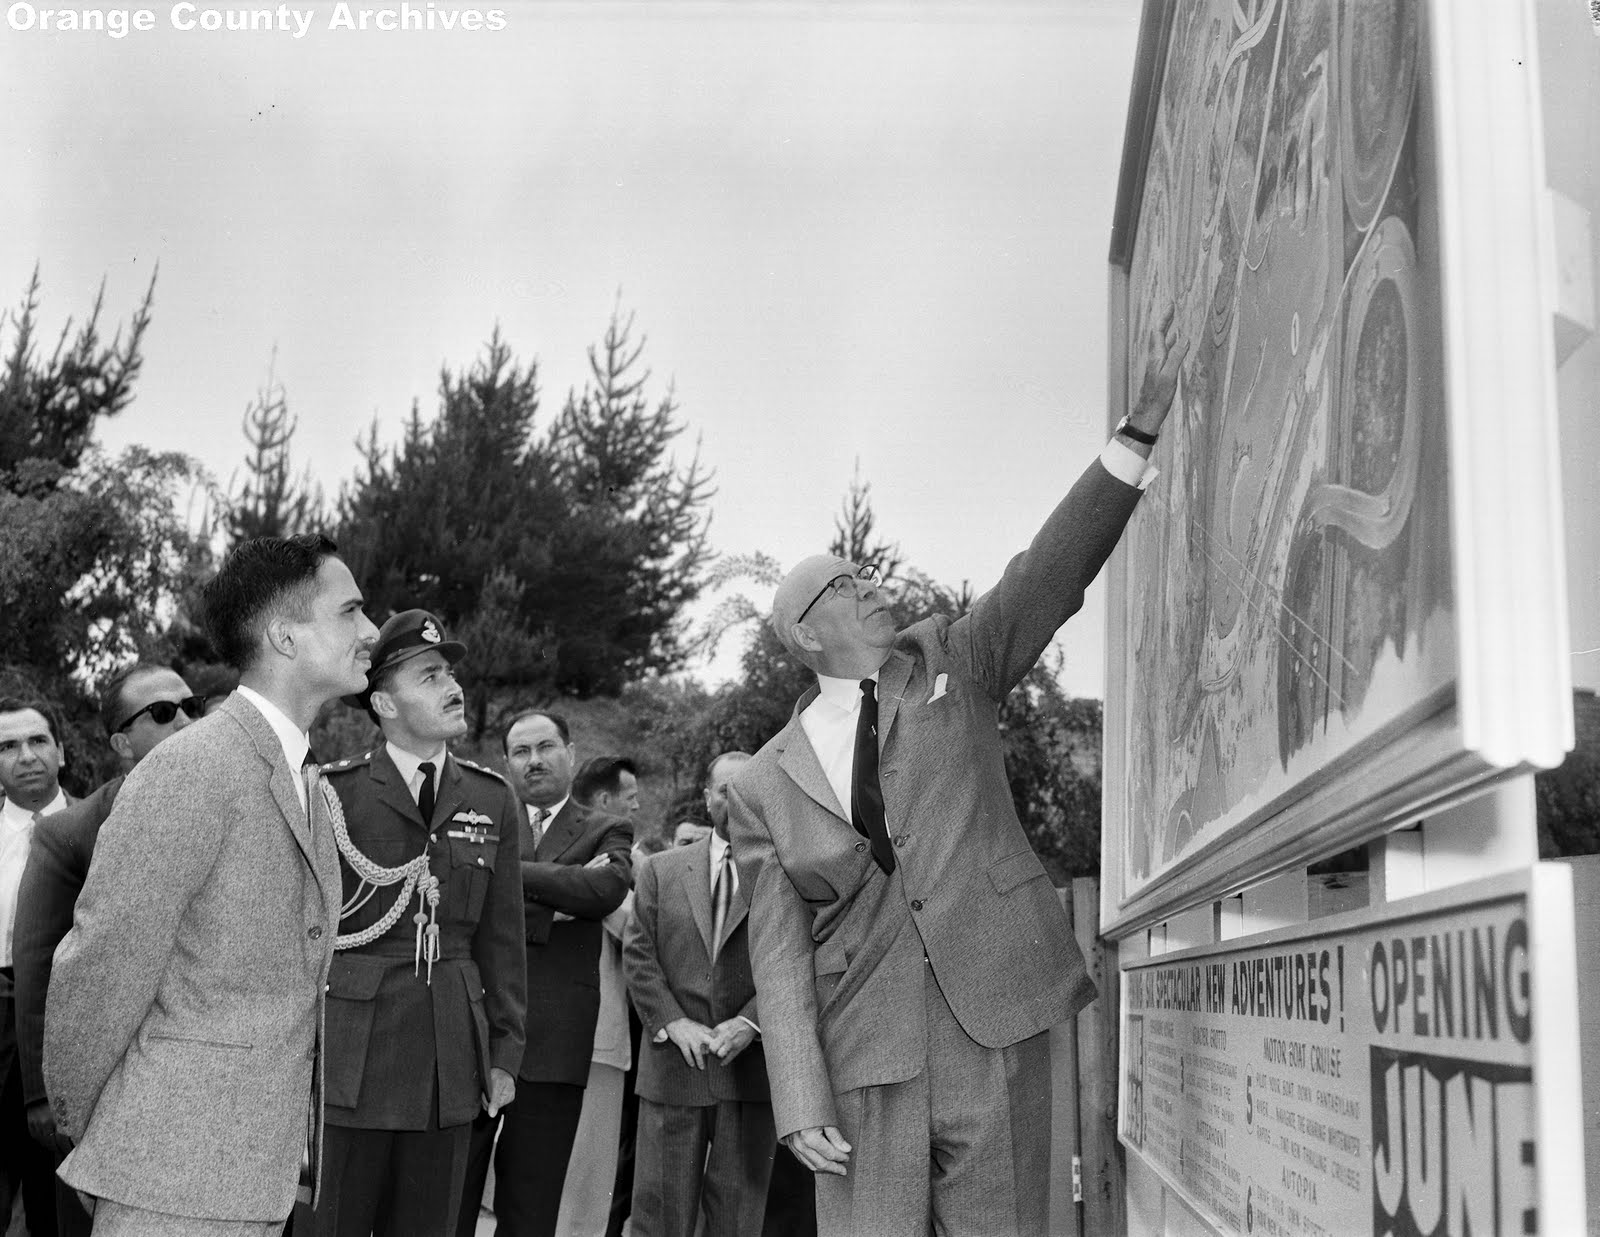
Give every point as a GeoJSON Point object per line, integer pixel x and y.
{"type": "Point", "coordinates": [676, 1179]}
{"type": "Point", "coordinates": [962, 1148]}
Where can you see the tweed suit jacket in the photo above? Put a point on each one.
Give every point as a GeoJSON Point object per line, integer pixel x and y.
{"type": "Point", "coordinates": [396, 1037]}
{"type": "Point", "coordinates": [58, 862]}
{"type": "Point", "coordinates": [564, 955]}
{"type": "Point", "coordinates": [185, 1006]}
{"type": "Point", "coordinates": [666, 956]}
{"type": "Point", "coordinates": [837, 947]}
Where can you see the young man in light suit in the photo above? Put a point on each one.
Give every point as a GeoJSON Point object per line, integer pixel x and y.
{"type": "Point", "coordinates": [909, 951]}
{"type": "Point", "coordinates": [183, 1020]}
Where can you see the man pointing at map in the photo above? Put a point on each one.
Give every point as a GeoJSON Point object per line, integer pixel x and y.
{"type": "Point", "coordinates": [909, 951]}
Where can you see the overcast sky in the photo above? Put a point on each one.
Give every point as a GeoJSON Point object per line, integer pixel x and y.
{"type": "Point", "coordinates": [872, 232]}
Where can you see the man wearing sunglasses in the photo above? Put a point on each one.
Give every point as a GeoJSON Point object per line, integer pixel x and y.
{"type": "Point", "coordinates": [909, 952]}
{"type": "Point", "coordinates": [141, 706]}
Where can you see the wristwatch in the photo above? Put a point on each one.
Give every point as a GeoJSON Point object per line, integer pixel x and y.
{"type": "Point", "coordinates": [1126, 429]}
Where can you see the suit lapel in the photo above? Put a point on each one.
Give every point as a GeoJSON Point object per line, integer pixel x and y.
{"type": "Point", "coordinates": [892, 680]}
{"type": "Point", "coordinates": [281, 781]}
{"type": "Point", "coordinates": [799, 760]}
{"type": "Point", "coordinates": [694, 873]}
{"type": "Point", "coordinates": [391, 788]}
{"type": "Point", "coordinates": [560, 833]}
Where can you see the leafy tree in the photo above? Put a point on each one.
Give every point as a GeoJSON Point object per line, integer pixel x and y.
{"type": "Point", "coordinates": [569, 555]}
{"type": "Point", "coordinates": [272, 502]}
{"type": "Point", "coordinates": [632, 554]}
{"type": "Point", "coordinates": [95, 557]}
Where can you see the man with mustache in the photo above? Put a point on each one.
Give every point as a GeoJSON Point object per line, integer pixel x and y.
{"type": "Point", "coordinates": [427, 994]}
{"type": "Point", "coordinates": [576, 870]}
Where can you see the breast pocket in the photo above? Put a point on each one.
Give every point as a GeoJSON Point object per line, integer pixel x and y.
{"type": "Point", "coordinates": [471, 869]}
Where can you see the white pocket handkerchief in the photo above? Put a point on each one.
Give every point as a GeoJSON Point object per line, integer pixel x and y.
{"type": "Point", "coordinates": [941, 684]}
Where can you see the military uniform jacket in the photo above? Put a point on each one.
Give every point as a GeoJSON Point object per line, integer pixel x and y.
{"type": "Point", "coordinates": [394, 1038]}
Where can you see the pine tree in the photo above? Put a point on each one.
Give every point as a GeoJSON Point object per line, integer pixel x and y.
{"type": "Point", "coordinates": [272, 502]}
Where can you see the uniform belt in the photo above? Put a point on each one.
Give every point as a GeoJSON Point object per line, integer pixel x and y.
{"type": "Point", "coordinates": [453, 947]}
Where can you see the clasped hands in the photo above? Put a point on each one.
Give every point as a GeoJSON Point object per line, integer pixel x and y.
{"type": "Point", "coordinates": [696, 1041]}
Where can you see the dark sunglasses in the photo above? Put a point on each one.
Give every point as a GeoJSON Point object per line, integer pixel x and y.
{"type": "Point", "coordinates": [163, 711]}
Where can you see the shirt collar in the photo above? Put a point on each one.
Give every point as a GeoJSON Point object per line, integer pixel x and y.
{"type": "Point", "coordinates": [550, 813]}
{"type": "Point", "coordinates": [718, 845]}
{"type": "Point", "coordinates": [18, 816]}
{"type": "Point", "coordinates": [842, 693]}
{"type": "Point", "coordinates": [409, 765]}
{"type": "Point", "coordinates": [294, 740]}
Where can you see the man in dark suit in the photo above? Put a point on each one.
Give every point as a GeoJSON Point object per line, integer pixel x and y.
{"type": "Point", "coordinates": [31, 759]}
{"type": "Point", "coordinates": [140, 706]}
{"type": "Point", "coordinates": [425, 1019]}
{"type": "Point", "coordinates": [908, 949]}
{"type": "Point", "coordinates": [576, 870]}
{"type": "Point", "coordinates": [702, 1079]}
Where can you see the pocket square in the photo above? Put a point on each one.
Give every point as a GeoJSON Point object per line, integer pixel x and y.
{"type": "Point", "coordinates": [941, 685]}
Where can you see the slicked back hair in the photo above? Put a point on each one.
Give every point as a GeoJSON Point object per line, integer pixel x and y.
{"type": "Point", "coordinates": [112, 705]}
{"type": "Point", "coordinates": [259, 579]}
{"type": "Point", "coordinates": [555, 719]}
{"type": "Point", "coordinates": [17, 704]}
{"type": "Point", "coordinates": [601, 773]}
{"type": "Point", "coordinates": [711, 769]}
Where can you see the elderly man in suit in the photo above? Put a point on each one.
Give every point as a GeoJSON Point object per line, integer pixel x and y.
{"type": "Point", "coordinates": [185, 1007]}
{"type": "Point", "coordinates": [425, 1020]}
{"type": "Point", "coordinates": [576, 870]}
{"type": "Point", "coordinates": [142, 705]}
{"type": "Point", "coordinates": [31, 759]}
{"type": "Point", "coordinates": [702, 1080]}
{"type": "Point", "coordinates": [909, 952]}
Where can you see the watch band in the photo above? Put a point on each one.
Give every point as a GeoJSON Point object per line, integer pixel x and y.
{"type": "Point", "coordinates": [1138, 435]}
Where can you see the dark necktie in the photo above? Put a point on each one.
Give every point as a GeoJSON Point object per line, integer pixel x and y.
{"type": "Point", "coordinates": [866, 795]}
{"type": "Point", "coordinates": [425, 795]}
{"type": "Point", "coordinates": [721, 900]}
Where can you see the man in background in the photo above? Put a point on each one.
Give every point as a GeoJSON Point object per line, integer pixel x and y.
{"type": "Point", "coordinates": [142, 705]}
{"type": "Point", "coordinates": [31, 760]}
{"type": "Point", "coordinates": [702, 1080]}
{"type": "Point", "coordinates": [575, 871]}
{"type": "Point", "coordinates": [609, 785]}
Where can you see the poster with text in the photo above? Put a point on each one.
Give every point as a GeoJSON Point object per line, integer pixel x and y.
{"type": "Point", "coordinates": [1400, 1073]}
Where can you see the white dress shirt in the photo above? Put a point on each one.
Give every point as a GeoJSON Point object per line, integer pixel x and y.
{"type": "Point", "coordinates": [16, 835]}
{"type": "Point", "coordinates": [830, 723]}
{"type": "Point", "coordinates": [411, 769]}
{"type": "Point", "coordinates": [295, 742]}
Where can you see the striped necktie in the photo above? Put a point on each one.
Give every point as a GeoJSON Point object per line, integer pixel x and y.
{"type": "Point", "coordinates": [721, 900]}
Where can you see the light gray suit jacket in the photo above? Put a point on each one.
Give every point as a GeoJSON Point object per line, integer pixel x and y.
{"type": "Point", "coordinates": [837, 947]}
{"type": "Point", "coordinates": [185, 1006]}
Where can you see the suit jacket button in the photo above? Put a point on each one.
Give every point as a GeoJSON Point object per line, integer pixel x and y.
{"type": "Point", "coordinates": [433, 837]}
{"type": "Point", "coordinates": [315, 933]}
{"type": "Point", "coordinates": [917, 905]}
{"type": "Point", "coordinates": [899, 839]}
{"type": "Point", "coordinates": [860, 846]}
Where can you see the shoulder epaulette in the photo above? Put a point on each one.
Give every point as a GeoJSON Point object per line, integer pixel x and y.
{"type": "Point", "coordinates": [349, 762]}
{"type": "Point", "coordinates": [483, 769]}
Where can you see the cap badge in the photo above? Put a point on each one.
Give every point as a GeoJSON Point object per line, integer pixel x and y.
{"type": "Point", "coordinates": [430, 631]}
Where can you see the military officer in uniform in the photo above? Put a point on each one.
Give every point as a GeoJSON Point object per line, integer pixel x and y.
{"type": "Point", "coordinates": [428, 992]}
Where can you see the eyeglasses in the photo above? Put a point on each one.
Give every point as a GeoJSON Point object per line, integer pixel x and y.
{"type": "Point", "coordinates": [840, 585]}
{"type": "Point", "coordinates": [163, 711]}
